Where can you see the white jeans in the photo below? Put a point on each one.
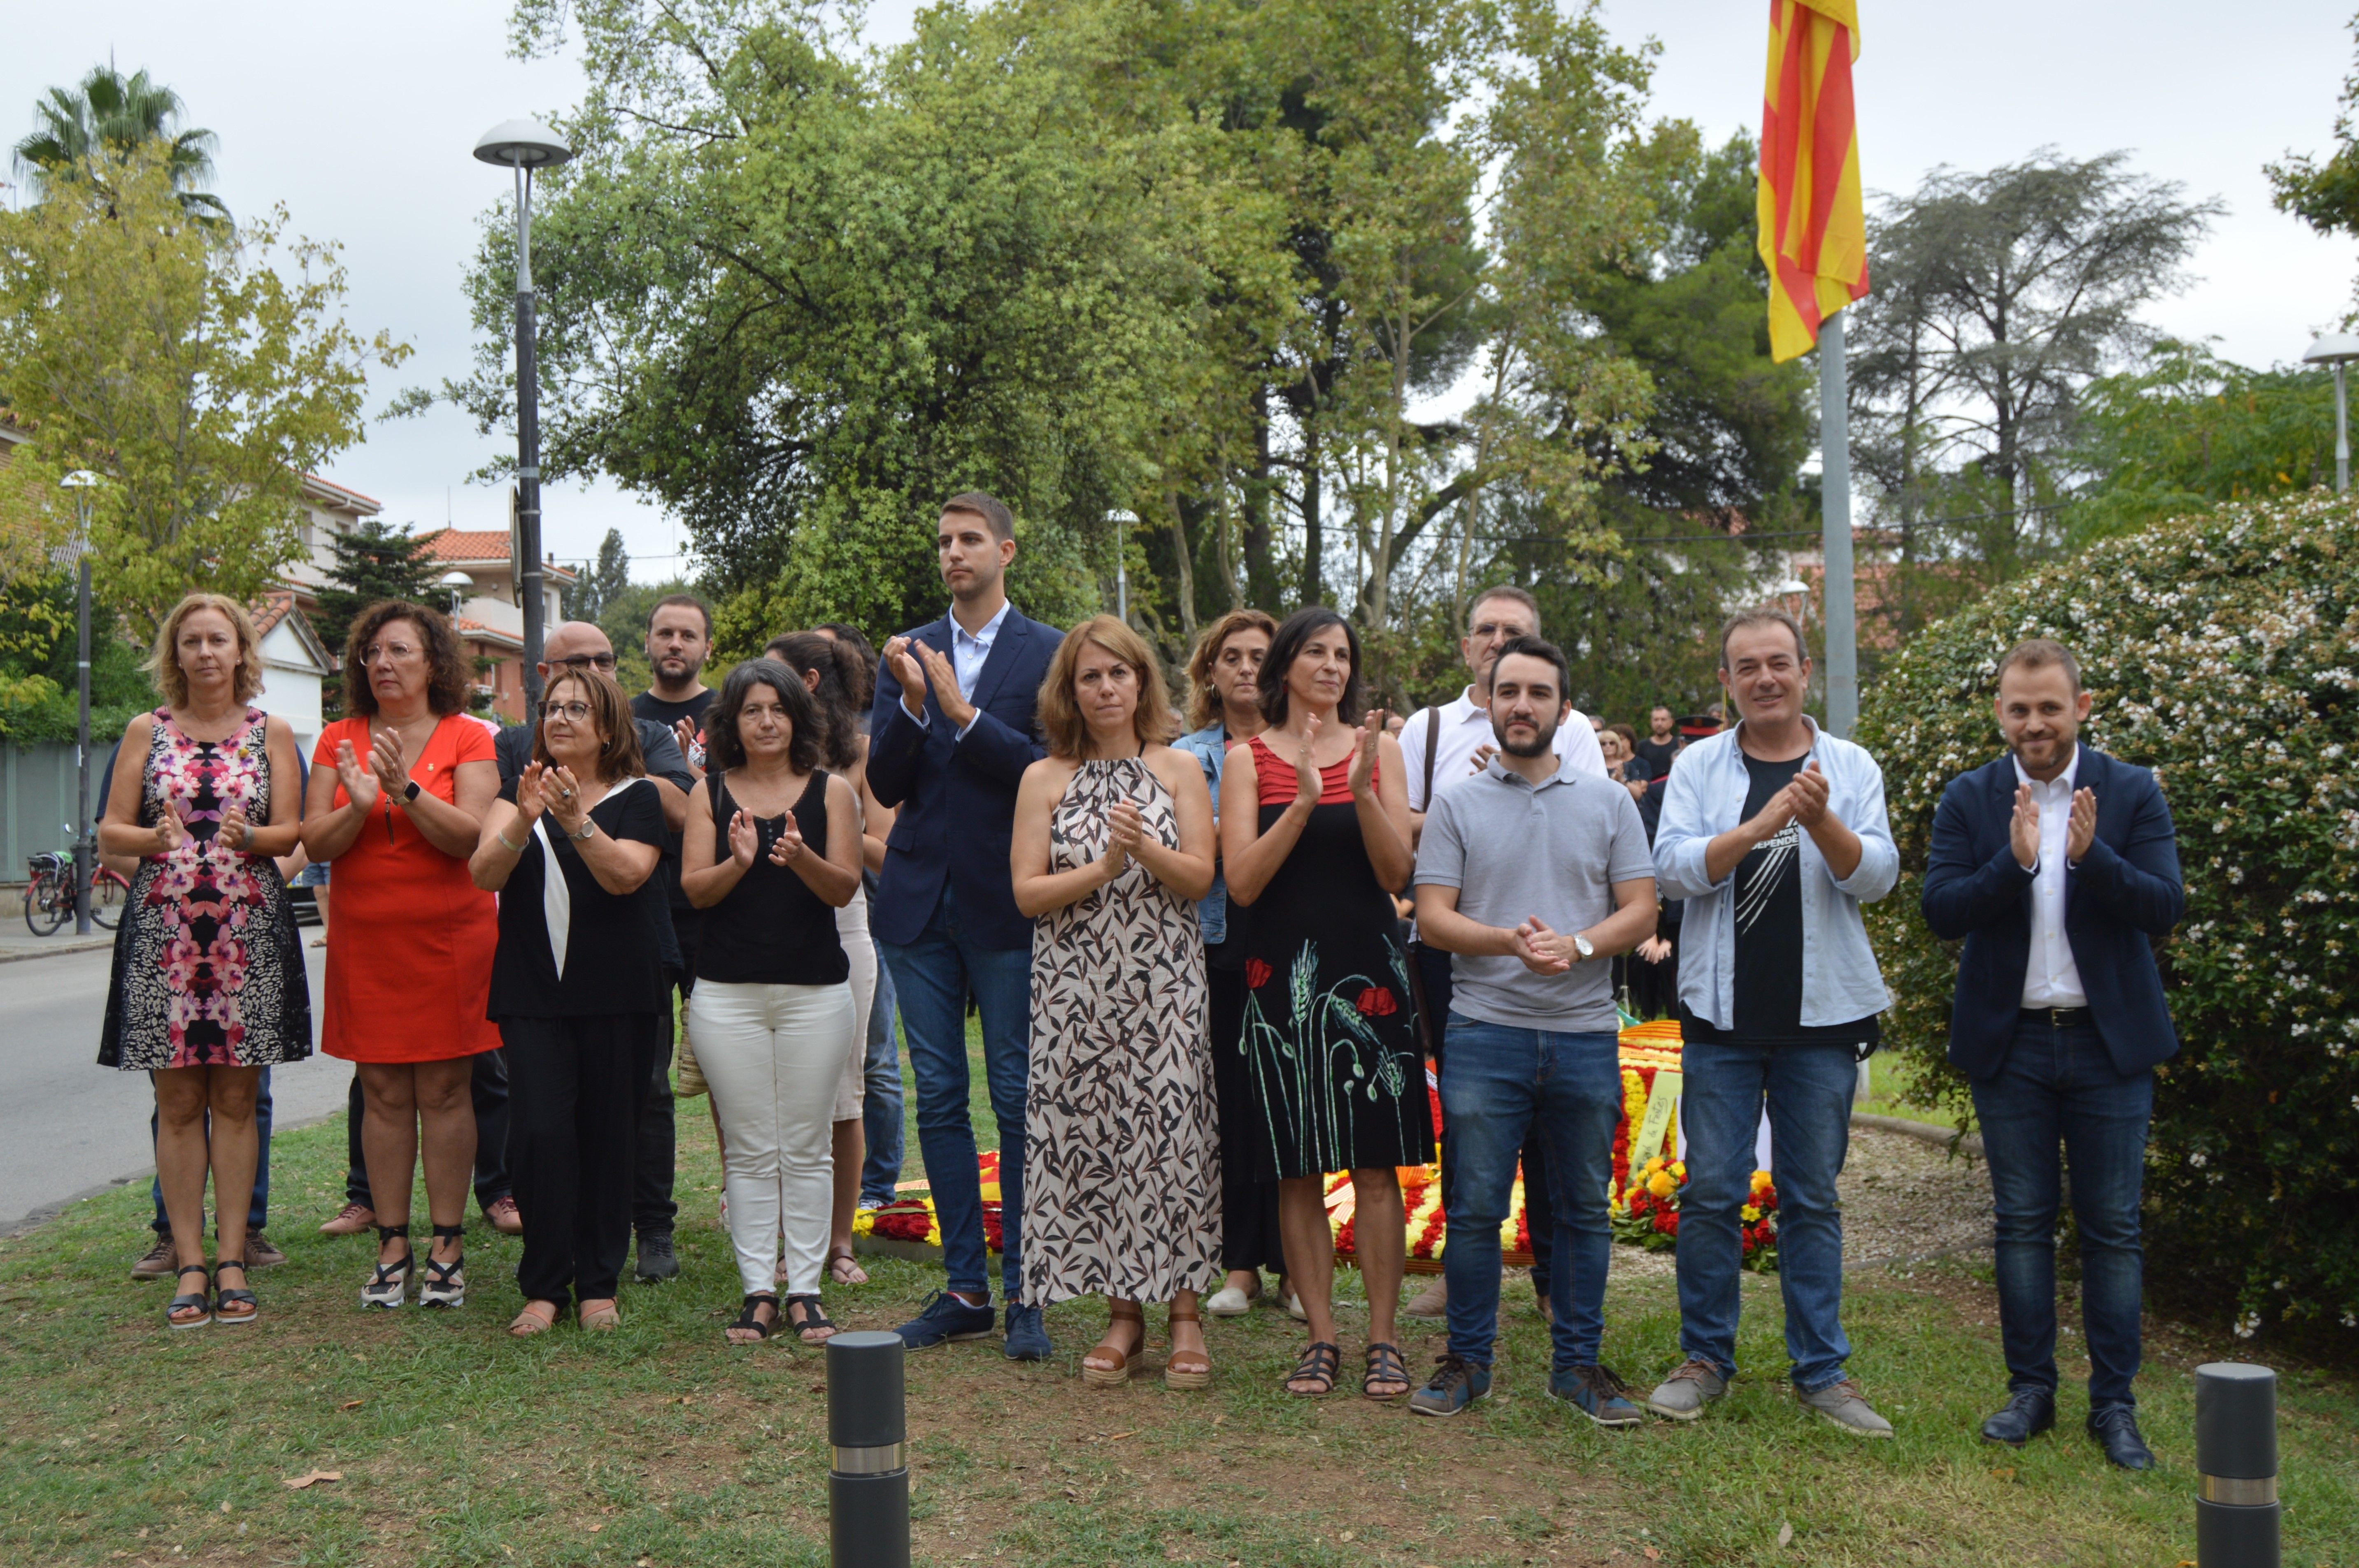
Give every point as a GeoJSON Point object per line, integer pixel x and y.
{"type": "Point", "coordinates": [860, 948]}
{"type": "Point", "coordinates": [773, 1055]}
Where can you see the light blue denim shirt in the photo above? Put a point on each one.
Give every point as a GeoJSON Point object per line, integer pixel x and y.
{"type": "Point", "coordinates": [1210, 746]}
{"type": "Point", "coordinates": [1704, 798]}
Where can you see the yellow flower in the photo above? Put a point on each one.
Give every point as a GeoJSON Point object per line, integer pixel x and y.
{"type": "Point", "coordinates": [1679, 1169]}
{"type": "Point", "coordinates": [1760, 1179]}
{"type": "Point", "coordinates": [1661, 1184]}
{"type": "Point", "coordinates": [1653, 1165]}
{"type": "Point", "coordinates": [1750, 1213]}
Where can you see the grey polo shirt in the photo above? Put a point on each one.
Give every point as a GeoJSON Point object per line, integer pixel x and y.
{"type": "Point", "coordinates": [1513, 851]}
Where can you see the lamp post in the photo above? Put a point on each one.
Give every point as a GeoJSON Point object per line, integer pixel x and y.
{"type": "Point", "coordinates": [81, 481]}
{"type": "Point", "coordinates": [1122, 521]}
{"type": "Point", "coordinates": [457, 583]}
{"type": "Point", "coordinates": [2337, 349]}
{"type": "Point", "coordinates": [524, 146]}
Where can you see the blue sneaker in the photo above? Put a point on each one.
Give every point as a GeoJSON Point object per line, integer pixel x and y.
{"type": "Point", "coordinates": [945, 1317]}
{"type": "Point", "coordinates": [1027, 1336]}
{"type": "Point", "coordinates": [1598, 1394]}
{"type": "Point", "coordinates": [1457, 1383]}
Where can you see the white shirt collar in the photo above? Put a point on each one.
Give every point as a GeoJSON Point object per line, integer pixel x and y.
{"type": "Point", "coordinates": [2067, 779]}
{"type": "Point", "coordinates": [1464, 706]}
{"type": "Point", "coordinates": [990, 627]}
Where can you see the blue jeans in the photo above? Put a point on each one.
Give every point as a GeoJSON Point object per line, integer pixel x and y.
{"type": "Point", "coordinates": [1808, 1090]}
{"type": "Point", "coordinates": [2060, 1084]}
{"type": "Point", "coordinates": [1500, 1085]}
{"type": "Point", "coordinates": [257, 1208]}
{"type": "Point", "coordinates": [881, 1110]}
{"type": "Point", "coordinates": [932, 977]}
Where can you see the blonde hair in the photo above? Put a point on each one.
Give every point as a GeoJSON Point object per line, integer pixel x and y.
{"type": "Point", "coordinates": [164, 663]}
{"type": "Point", "coordinates": [1203, 703]}
{"type": "Point", "coordinates": [1062, 724]}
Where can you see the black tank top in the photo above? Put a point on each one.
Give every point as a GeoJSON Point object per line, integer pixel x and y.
{"type": "Point", "coordinates": [772, 929]}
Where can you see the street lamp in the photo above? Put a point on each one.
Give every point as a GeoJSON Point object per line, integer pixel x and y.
{"type": "Point", "coordinates": [2337, 349]}
{"type": "Point", "coordinates": [82, 481]}
{"type": "Point", "coordinates": [524, 145]}
{"type": "Point", "coordinates": [457, 583]}
{"type": "Point", "coordinates": [1122, 521]}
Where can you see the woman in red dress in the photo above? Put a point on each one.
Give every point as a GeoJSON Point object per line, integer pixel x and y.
{"type": "Point", "coordinates": [396, 800]}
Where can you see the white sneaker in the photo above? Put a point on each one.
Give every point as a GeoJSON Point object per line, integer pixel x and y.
{"type": "Point", "coordinates": [1228, 1302]}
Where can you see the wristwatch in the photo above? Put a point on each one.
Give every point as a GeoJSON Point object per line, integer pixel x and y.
{"type": "Point", "coordinates": [1582, 945]}
{"type": "Point", "coordinates": [409, 792]}
{"type": "Point", "coordinates": [588, 827]}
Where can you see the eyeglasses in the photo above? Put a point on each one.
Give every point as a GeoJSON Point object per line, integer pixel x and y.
{"type": "Point", "coordinates": [577, 660]}
{"type": "Point", "coordinates": [396, 652]}
{"type": "Point", "coordinates": [576, 711]}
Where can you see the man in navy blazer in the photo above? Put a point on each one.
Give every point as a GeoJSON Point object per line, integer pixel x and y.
{"type": "Point", "coordinates": [949, 739]}
{"type": "Point", "coordinates": [2058, 866]}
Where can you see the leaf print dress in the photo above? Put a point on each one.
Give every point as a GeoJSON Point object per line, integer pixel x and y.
{"type": "Point", "coordinates": [1331, 1039]}
{"type": "Point", "coordinates": [207, 968]}
{"type": "Point", "coordinates": [1122, 1145]}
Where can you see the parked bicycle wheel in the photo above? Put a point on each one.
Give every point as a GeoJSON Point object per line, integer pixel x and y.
{"type": "Point", "coordinates": [108, 893]}
{"type": "Point", "coordinates": [44, 911]}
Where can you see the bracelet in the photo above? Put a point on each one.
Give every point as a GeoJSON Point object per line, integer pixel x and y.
{"type": "Point", "coordinates": [511, 849]}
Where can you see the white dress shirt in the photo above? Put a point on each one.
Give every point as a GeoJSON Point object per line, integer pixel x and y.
{"type": "Point", "coordinates": [2051, 978]}
{"type": "Point", "coordinates": [1466, 727]}
{"type": "Point", "coordinates": [969, 650]}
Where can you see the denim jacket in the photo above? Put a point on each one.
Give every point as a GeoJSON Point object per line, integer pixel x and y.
{"type": "Point", "coordinates": [1210, 746]}
{"type": "Point", "coordinates": [1704, 798]}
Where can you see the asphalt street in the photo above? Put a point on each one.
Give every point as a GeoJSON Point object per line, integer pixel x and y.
{"type": "Point", "coordinates": [70, 1127]}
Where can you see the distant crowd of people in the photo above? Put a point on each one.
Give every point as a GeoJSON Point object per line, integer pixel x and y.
{"type": "Point", "coordinates": [1210, 961]}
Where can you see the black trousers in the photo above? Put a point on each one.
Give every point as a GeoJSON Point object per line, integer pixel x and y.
{"type": "Point", "coordinates": [1249, 1237]}
{"type": "Point", "coordinates": [488, 1088]}
{"type": "Point", "coordinates": [1539, 1214]}
{"type": "Point", "coordinates": [577, 1086]}
{"type": "Point", "coordinates": [657, 1137]}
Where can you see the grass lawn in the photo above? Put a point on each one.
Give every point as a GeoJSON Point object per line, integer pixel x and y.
{"type": "Point", "coordinates": [659, 1445]}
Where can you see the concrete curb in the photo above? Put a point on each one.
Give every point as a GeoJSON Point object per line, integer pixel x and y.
{"type": "Point", "coordinates": [69, 945]}
{"type": "Point", "coordinates": [1947, 1136]}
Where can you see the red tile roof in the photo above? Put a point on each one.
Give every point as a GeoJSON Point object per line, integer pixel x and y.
{"type": "Point", "coordinates": [484, 544]}
{"type": "Point", "coordinates": [271, 608]}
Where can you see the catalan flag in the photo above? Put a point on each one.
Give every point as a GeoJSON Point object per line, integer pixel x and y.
{"type": "Point", "coordinates": [1813, 227]}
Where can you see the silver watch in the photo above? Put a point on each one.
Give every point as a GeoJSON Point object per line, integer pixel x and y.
{"type": "Point", "coordinates": [588, 827]}
{"type": "Point", "coordinates": [1582, 945]}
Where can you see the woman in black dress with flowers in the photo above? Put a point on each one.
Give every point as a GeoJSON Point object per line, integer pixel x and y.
{"type": "Point", "coordinates": [1314, 834]}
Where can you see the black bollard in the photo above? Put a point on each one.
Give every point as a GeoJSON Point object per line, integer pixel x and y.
{"type": "Point", "coordinates": [867, 1423]}
{"type": "Point", "coordinates": [2236, 1455]}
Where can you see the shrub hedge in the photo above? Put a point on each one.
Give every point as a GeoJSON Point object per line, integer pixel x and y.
{"type": "Point", "coordinates": [2223, 651]}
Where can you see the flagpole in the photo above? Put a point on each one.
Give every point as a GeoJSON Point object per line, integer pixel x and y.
{"type": "Point", "coordinates": [1834, 448]}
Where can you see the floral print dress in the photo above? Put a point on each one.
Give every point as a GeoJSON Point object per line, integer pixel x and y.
{"type": "Point", "coordinates": [207, 967]}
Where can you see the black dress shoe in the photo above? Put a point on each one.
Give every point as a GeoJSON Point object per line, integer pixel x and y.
{"type": "Point", "coordinates": [2027, 1413]}
{"type": "Point", "coordinates": [657, 1262]}
{"type": "Point", "coordinates": [2116, 1432]}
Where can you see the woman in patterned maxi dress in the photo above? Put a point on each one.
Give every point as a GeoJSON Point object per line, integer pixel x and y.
{"type": "Point", "coordinates": [1112, 846]}
{"type": "Point", "coordinates": [209, 985]}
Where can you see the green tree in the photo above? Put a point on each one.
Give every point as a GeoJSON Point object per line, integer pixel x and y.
{"type": "Point", "coordinates": [608, 577]}
{"type": "Point", "coordinates": [2325, 194]}
{"type": "Point", "coordinates": [107, 116]}
{"type": "Point", "coordinates": [200, 378]}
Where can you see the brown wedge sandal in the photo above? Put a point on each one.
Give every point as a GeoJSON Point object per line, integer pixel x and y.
{"type": "Point", "coordinates": [1109, 1372]}
{"type": "Point", "coordinates": [1188, 1368]}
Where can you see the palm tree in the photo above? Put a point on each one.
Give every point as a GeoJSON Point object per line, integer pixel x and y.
{"type": "Point", "coordinates": [112, 113]}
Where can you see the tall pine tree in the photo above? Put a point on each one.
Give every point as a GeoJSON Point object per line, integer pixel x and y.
{"type": "Point", "coordinates": [603, 582]}
{"type": "Point", "coordinates": [373, 561]}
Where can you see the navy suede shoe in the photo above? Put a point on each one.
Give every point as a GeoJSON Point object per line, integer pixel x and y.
{"type": "Point", "coordinates": [1027, 1336]}
{"type": "Point", "coordinates": [945, 1317]}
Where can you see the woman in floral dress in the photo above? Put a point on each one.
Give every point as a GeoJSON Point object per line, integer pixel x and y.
{"type": "Point", "coordinates": [209, 983]}
{"type": "Point", "coordinates": [1112, 846]}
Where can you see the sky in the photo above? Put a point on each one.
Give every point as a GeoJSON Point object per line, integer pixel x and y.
{"type": "Point", "coordinates": [361, 120]}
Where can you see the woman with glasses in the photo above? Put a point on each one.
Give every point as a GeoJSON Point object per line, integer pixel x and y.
{"type": "Point", "coordinates": [577, 990]}
{"type": "Point", "coordinates": [395, 801]}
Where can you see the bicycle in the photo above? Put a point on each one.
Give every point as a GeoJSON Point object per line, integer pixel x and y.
{"type": "Point", "coordinates": [49, 893]}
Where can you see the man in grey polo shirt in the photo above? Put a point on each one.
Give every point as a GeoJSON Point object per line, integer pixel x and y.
{"type": "Point", "coordinates": [1532, 877]}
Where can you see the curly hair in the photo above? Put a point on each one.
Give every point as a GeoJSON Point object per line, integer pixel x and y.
{"type": "Point", "coordinates": [725, 748]}
{"type": "Point", "coordinates": [446, 661]}
{"type": "Point", "coordinates": [164, 663]}
{"type": "Point", "coordinates": [619, 756]}
{"type": "Point", "coordinates": [1062, 723]}
{"type": "Point", "coordinates": [1286, 646]}
{"type": "Point", "coordinates": [1203, 702]}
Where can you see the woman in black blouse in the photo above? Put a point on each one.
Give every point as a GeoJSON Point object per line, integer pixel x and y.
{"type": "Point", "coordinates": [576, 985]}
{"type": "Point", "coordinates": [771, 852]}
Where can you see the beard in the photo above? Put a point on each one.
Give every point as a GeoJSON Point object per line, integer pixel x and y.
{"type": "Point", "coordinates": [1540, 743]}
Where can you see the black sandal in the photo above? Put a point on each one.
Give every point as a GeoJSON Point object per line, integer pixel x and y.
{"type": "Point", "coordinates": [200, 1301]}
{"type": "Point", "coordinates": [226, 1298]}
{"type": "Point", "coordinates": [747, 1319]}
{"type": "Point", "coordinates": [1318, 1365]}
{"type": "Point", "coordinates": [445, 1284]}
{"type": "Point", "coordinates": [813, 1320]}
{"type": "Point", "coordinates": [1385, 1366]}
{"type": "Point", "coordinates": [387, 1287]}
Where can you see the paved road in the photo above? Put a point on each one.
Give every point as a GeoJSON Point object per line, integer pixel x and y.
{"type": "Point", "coordinates": [68, 1126]}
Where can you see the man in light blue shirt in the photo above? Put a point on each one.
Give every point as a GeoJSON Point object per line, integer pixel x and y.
{"type": "Point", "coordinates": [1775, 834]}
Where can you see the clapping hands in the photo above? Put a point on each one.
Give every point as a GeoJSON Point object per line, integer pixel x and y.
{"type": "Point", "coordinates": [236, 832]}
{"type": "Point", "coordinates": [1363, 757]}
{"type": "Point", "coordinates": [361, 784]}
{"type": "Point", "coordinates": [171, 833]}
{"type": "Point", "coordinates": [1542, 950]}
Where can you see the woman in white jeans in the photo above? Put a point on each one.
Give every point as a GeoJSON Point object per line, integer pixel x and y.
{"type": "Point", "coordinates": [772, 851]}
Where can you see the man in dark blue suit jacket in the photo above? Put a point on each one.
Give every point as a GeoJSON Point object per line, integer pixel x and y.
{"type": "Point", "coordinates": [949, 739]}
{"type": "Point", "coordinates": [2058, 866]}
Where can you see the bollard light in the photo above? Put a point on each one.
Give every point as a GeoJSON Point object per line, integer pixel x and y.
{"type": "Point", "coordinates": [2236, 1458]}
{"type": "Point", "coordinates": [867, 1423]}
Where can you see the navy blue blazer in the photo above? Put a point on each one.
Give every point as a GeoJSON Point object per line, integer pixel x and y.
{"type": "Point", "coordinates": [957, 797]}
{"type": "Point", "coordinates": [2125, 890]}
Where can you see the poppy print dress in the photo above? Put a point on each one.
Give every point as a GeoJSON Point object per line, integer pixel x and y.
{"type": "Point", "coordinates": [208, 971]}
{"type": "Point", "coordinates": [1331, 1037]}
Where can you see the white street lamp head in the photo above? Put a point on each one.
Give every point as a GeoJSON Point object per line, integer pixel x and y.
{"type": "Point", "coordinates": [457, 579]}
{"type": "Point", "coordinates": [2335, 348]}
{"type": "Point", "coordinates": [522, 143]}
{"type": "Point", "coordinates": [80, 478]}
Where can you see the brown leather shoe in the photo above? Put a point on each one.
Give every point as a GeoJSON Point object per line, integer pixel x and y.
{"type": "Point", "coordinates": [505, 1218]}
{"type": "Point", "coordinates": [260, 1253]}
{"type": "Point", "coordinates": [1432, 1302]}
{"type": "Point", "coordinates": [354, 1219]}
{"type": "Point", "coordinates": [157, 1263]}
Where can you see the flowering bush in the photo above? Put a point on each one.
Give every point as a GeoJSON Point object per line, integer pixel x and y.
{"type": "Point", "coordinates": [1649, 1214]}
{"type": "Point", "coordinates": [2223, 651]}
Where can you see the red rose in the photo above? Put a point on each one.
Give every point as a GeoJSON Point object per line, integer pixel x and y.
{"type": "Point", "coordinates": [1377, 1001]}
{"type": "Point", "coordinates": [1256, 974]}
